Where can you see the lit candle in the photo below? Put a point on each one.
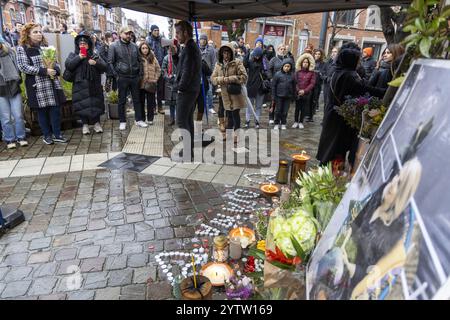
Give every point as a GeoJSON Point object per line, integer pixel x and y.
{"type": "Point", "coordinates": [235, 248]}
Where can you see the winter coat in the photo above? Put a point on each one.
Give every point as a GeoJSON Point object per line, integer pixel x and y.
{"type": "Point", "coordinates": [256, 74]}
{"type": "Point", "coordinates": [209, 56]}
{"type": "Point", "coordinates": [189, 69]}
{"type": "Point", "coordinates": [283, 84]}
{"type": "Point", "coordinates": [305, 79]}
{"type": "Point", "coordinates": [276, 63]}
{"type": "Point", "coordinates": [125, 60]}
{"type": "Point", "coordinates": [320, 72]}
{"type": "Point", "coordinates": [232, 72]}
{"type": "Point", "coordinates": [337, 136]}
{"type": "Point", "coordinates": [369, 66]}
{"type": "Point", "coordinates": [103, 53]}
{"type": "Point", "coordinates": [158, 49]}
{"type": "Point", "coordinates": [9, 72]}
{"type": "Point", "coordinates": [381, 77]}
{"type": "Point", "coordinates": [171, 94]}
{"type": "Point", "coordinates": [42, 90]}
{"type": "Point", "coordinates": [87, 92]}
{"type": "Point", "coordinates": [152, 72]}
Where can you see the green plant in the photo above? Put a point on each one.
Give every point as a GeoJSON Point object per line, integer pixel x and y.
{"type": "Point", "coordinates": [428, 24]}
{"type": "Point", "coordinates": [112, 97]}
{"type": "Point", "coordinates": [67, 88]}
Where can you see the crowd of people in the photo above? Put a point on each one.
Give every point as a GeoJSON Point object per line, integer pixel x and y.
{"type": "Point", "coordinates": [186, 76]}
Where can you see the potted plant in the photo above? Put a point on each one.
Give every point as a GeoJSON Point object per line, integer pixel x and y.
{"type": "Point", "coordinates": [112, 98]}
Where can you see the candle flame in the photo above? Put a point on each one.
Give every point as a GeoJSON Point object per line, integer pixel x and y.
{"type": "Point", "coordinates": [241, 231]}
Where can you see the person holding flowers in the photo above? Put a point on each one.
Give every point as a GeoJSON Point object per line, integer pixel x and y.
{"type": "Point", "coordinates": [44, 91]}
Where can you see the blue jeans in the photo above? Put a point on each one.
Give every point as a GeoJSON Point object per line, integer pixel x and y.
{"type": "Point", "coordinates": [50, 121]}
{"type": "Point", "coordinates": [11, 116]}
{"type": "Point", "coordinates": [209, 96]}
{"type": "Point", "coordinates": [257, 103]}
{"type": "Point", "coordinates": [172, 110]}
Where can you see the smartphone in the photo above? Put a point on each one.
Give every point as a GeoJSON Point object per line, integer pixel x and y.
{"type": "Point", "coordinates": [83, 51]}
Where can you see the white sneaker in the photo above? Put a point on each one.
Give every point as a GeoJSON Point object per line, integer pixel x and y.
{"type": "Point", "coordinates": [300, 125]}
{"type": "Point", "coordinates": [98, 128]}
{"type": "Point", "coordinates": [283, 127]}
{"type": "Point", "coordinates": [11, 145]}
{"type": "Point", "coordinates": [264, 105]}
{"type": "Point", "coordinates": [149, 122]}
{"type": "Point", "coordinates": [86, 129]}
{"type": "Point", "coordinates": [123, 126]}
{"type": "Point", "coordinates": [276, 127]}
{"type": "Point", "coordinates": [213, 111]}
{"type": "Point", "coordinates": [295, 125]}
{"type": "Point", "coordinates": [141, 124]}
{"type": "Point", "coordinates": [23, 143]}
{"type": "Point", "coordinates": [271, 121]}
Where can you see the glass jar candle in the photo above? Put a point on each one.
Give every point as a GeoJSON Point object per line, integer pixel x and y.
{"type": "Point", "coordinates": [220, 251]}
{"type": "Point", "coordinates": [235, 248]}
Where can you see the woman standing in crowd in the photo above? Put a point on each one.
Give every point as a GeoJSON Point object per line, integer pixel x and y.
{"type": "Point", "coordinates": [256, 76]}
{"type": "Point", "coordinates": [283, 91]}
{"type": "Point", "coordinates": [169, 67]}
{"type": "Point", "coordinates": [391, 56]}
{"type": "Point", "coordinates": [87, 94]}
{"type": "Point", "coordinates": [110, 82]}
{"type": "Point", "coordinates": [320, 75]}
{"type": "Point", "coordinates": [11, 113]}
{"type": "Point", "coordinates": [305, 78]}
{"type": "Point", "coordinates": [337, 137]}
{"type": "Point", "coordinates": [152, 72]}
{"type": "Point", "coordinates": [230, 74]}
{"type": "Point", "coordinates": [44, 92]}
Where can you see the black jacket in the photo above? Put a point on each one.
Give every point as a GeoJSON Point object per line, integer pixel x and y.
{"type": "Point", "coordinates": [283, 84]}
{"type": "Point", "coordinates": [380, 78]}
{"type": "Point", "coordinates": [189, 68]}
{"type": "Point", "coordinates": [103, 52]}
{"type": "Point", "coordinates": [87, 91]}
{"type": "Point", "coordinates": [256, 72]}
{"type": "Point", "coordinates": [276, 63]}
{"type": "Point", "coordinates": [320, 70]}
{"type": "Point", "coordinates": [369, 66]}
{"type": "Point", "coordinates": [125, 60]}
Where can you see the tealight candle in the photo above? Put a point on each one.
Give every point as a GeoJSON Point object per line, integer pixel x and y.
{"type": "Point", "coordinates": [201, 250]}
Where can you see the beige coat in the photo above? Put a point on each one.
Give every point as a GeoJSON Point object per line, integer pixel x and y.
{"type": "Point", "coordinates": [233, 72]}
{"type": "Point", "coordinates": [152, 72]}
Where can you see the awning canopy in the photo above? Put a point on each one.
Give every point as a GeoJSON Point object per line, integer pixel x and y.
{"type": "Point", "coordinates": [208, 10]}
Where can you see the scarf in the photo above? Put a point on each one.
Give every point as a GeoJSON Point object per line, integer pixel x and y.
{"type": "Point", "coordinates": [170, 67]}
{"type": "Point", "coordinates": [8, 67]}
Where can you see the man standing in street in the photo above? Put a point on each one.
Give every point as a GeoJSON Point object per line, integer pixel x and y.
{"type": "Point", "coordinates": [126, 66]}
{"type": "Point", "coordinates": [241, 44]}
{"type": "Point", "coordinates": [209, 56]}
{"type": "Point", "coordinates": [188, 81]}
{"type": "Point", "coordinates": [368, 62]}
{"type": "Point", "coordinates": [154, 41]}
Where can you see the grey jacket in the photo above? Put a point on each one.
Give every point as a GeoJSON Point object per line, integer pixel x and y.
{"type": "Point", "coordinates": [125, 60]}
{"type": "Point", "coordinates": [209, 55]}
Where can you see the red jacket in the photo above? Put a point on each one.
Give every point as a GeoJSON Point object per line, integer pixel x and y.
{"type": "Point", "coordinates": [305, 80]}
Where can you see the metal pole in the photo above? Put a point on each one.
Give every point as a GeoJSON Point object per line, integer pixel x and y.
{"type": "Point", "coordinates": [323, 30]}
{"type": "Point", "coordinates": [1, 19]}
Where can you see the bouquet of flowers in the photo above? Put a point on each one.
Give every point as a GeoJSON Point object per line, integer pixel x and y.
{"type": "Point", "coordinates": [239, 287]}
{"type": "Point", "coordinates": [49, 57]}
{"type": "Point", "coordinates": [372, 119]}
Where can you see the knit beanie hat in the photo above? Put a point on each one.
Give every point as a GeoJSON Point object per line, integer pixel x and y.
{"type": "Point", "coordinates": [368, 51]}
{"type": "Point", "coordinates": [259, 39]}
{"type": "Point", "coordinates": [153, 27]}
{"type": "Point", "coordinates": [257, 52]}
{"type": "Point", "coordinates": [203, 37]}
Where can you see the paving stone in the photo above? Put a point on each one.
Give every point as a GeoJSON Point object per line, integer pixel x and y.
{"type": "Point", "coordinates": [21, 246]}
{"type": "Point", "coordinates": [79, 221]}
{"type": "Point", "coordinates": [132, 248]}
{"type": "Point", "coordinates": [133, 218]}
{"type": "Point", "coordinates": [137, 260]}
{"type": "Point", "coordinates": [99, 214]}
{"type": "Point", "coordinates": [116, 262]}
{"type": "Point", "coordinates": [39, 257]}
{"type": "Point", "coordinates": [55, 230]}
{"type": "Point", "coordinates": [115, 215]}
{"type": "Point", "coordinates": [172, 244]}
{"type": "Point", "coordinates": [42, 243]}
{"type": "Point", "coordinates": [3, 272]}
{"type": "Point", "coordinates": [89, 252]}
{"type": "Point", "coordinates": [81, 295]}
{"type": "Point", "coordinates": [67, 267]}
{"type": "Point", "coordinates": [43, 286]}
{"type": "Point", "coordinates": [145, 235]}
{"type": "Point", "coordinates": [63, 240]}
{"type": "Point", "coordinates": [159, 291]}
{"type": "Point", "coordinates": [32, 235]}
{"type": "Point", "coordinates": [116, 207]}
{"type": "Point", "coordinates": [135, 208]}
{"type": "Point", "coordinates": [44, 270]}
{"type": "Point", "coordinates": [141, 275]}
{"type": "Point", "coordinates": [16, 289]}
{"type": "Point", "coordinates": [164, 233]}
{"type": "Point", "coordinates": [18, 273]}
{"type": "Point", "coordinates": [161, 223]}
{"type": "Point", "coordinates": [56, 296]}
{"type": "Point", "coordinates": [92, 264]}
{"type": "Point", "coordinates": [16, 259]}
{"type": "Point", "coordinates": [120, 277]}
{"type": "Point", "coordinates": [152, 210]}
{"type": "Point", "coordinates": [96, 280]}
{"type": "Point", "coordinates": [66, 254]}
{"type": "Point", "coordinates": [110, 249]}
{"type": "Point", "coordinates": [112, 293]}
{"type": "Point", "coordinates": [133, 292]}
{"type": "Point", "coordinates": [184, 232]}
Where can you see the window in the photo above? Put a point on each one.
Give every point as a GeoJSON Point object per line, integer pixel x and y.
{"type": "Point", "coordinates": [346, 17]}
{"type": "Point", "coordinates": [373, 18]}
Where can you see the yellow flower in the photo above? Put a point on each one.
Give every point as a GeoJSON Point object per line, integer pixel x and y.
{"type": "Point", "coordinates": [261, 245]}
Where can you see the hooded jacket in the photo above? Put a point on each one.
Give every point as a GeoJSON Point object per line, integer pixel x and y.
{"type": "Point", "coordinates": [256, 73]}
{"type": "Point", "coordinates": [276, 63]}
{"type": "Point", "coordinates": [283, 84]}
{"type": "Point", "coordinates": [231, 72]}
{"type": "Point", "coordinates": [305, 79]}
{"type": "Point", "coordinates": [87, 91]}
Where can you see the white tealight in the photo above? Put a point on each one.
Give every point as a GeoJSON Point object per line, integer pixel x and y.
{"type": "Point", "coordinates": [166, 254]}
{"type": "Point", "coordinates": [195, 250]}
{"type": "Point", "coordinates": [161, 263]}
{"type": "Point", "coordinates": [184, 274]}
{"type": "Point", "coordinates": [165, 271]}
{"type": "Point", "coordinates": [172, 254]}
{"type": "Point", "coordinates": [197, 232]}
{"type": "Point", "coordinates": [170, 279]}
{"type": "Point", "coordinates": [169, 274]}
{"type": "Point", "coordinates": [201, 250]}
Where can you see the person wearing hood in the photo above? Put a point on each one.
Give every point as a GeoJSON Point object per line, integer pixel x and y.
{"type": "Point", "coordinates": [368, 62]}
{"type": "Point", "coordinates": [208, 56]}
{"type": "Point", "coordinates": [169, 68]}
{"type": "Point", "coordinates": [11, 114]}
{"type": "Point", "coordinates": [87, 94]}
{"type": "Point", "coordinates": [230, 74]}
{"type": "Point", "coordinates": [269, 53]}
{"type": "Point", "coordinates": [256, 77]}
{"type": "Point", "coordinates": [154, 41]}
{"type": "Point", "coordinates": [337, 137]}
{"type": "Point", "coordinates": [259, 42]}
{"type": "Point", "coordinates": [283, 92]}
{"type": "Point", "coordinates": [381, 77]}
{"type": "Point", "coordinates": [305, 78]}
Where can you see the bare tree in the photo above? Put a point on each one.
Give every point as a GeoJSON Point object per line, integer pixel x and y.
{"type": "Point", "coordinates": [338, 27]}
{"type": "Point", "coordinates": [233, 35]}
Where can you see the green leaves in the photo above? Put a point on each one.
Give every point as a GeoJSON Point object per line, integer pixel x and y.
{"type": "Point", "coordinates": [397, 82]}
{"type": "Point", "coordinates": [257, 253]}
{"type": "Point", "coordinates": [298, 249]}
{"type": "Point", "coordinates": [424, 46]}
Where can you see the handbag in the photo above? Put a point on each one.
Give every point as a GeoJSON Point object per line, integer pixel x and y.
{"type": "Point", "coordinates": [234, 88]}
{"type": "Point", "coordinates": [266, 86]}
{"type": "Point", "coordinates": [150, 87]}
{"type": "Point", "coordinates": [68, 75]}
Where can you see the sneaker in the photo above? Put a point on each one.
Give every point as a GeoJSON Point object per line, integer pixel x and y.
{"type": "Point", "coordinates": [61, 139]}
{"type": "Point", "coordinates": [276, 127]}
{"type": "Point", "coordinates": [212, 111]}
{"type": "Point", "coordinates": [301, 126]}
{"type": "Point", "coordinates": [149, 122]}
{"type": "Point", "coordinates": [86, 129]}
{"type": "Point", "coordinates": [10, 145]}
{"type": "Point", "coordinates": [98, 128]}
{"type": "Point", "coordinates": [23, 142]}
{"type": "Point", "coordinates": [47, 140]}
{"type": "Point", "coordinates": [247, 124]}
{"type": "Point", "coordinates": [123, 126]}
{"type": "Point", "coordinates": [141, 124]}
{"type": "Point", "coordinates": [295, 125]}
{"type": "Point", "coordinates": [257, 125]}
{"type": "Point", "coordinates": [283, 127]}
{"type": "Point", "coordinates": [271, 121]}
{"type": "Point", "coordinates": [264, 105]}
